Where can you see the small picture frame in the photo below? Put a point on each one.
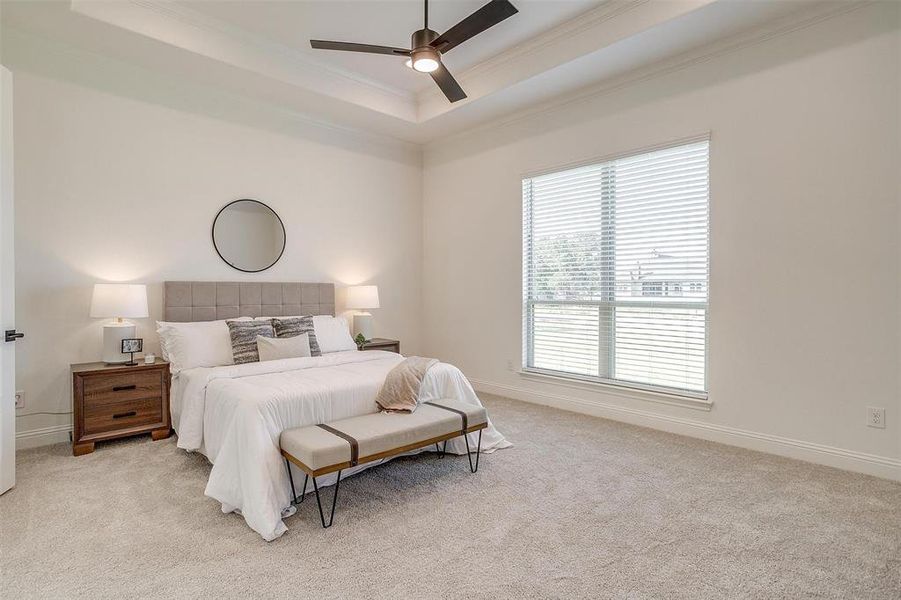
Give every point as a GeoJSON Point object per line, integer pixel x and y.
{"type": "Point", "coordinates": [131, 346]}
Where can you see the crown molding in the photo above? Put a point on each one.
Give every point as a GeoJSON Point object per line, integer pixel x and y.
{"type": "Point", "coordinates": [31, 52]}
{"type": "Point", "coordinates": [761, 34]}
{"type": "Point", "coordinates": [595, 17]}
{"type": "Point", "coordinates": [590, 34]}
{"type": "Point", "coordinates": [240, 48]}
{"type": "Point", "coordinates": [212, 39]}
{"type": "Point", "coordinates": [193, 18]}
{"type": "Point", "coordinates": [299, 88]}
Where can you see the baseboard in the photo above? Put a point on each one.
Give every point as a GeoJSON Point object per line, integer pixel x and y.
{"type": "Point", "coordinates": [870, 464]}
{"type": "Point", "coordinates": [43, 436]}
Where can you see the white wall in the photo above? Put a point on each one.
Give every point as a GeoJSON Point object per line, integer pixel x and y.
{"type": "Point", "coordinates": [114, 189]}
{"type": "Point", "coordinates": [805, 262]}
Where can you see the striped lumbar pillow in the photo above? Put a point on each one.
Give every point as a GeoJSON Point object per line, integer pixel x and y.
{"type": "Point", "coordinates": [244, 339]}
{"type": "Point", "coordinates": [285, 328]}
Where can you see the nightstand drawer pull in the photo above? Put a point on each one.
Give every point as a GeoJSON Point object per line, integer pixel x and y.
{"type": "Point", "coordinates": [131, 413]}
{"type": "Point", "coordinates": [120, 388]}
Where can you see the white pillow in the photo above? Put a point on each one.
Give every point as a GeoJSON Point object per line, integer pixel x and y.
{"type": "Point", "coordinates": [333, 334]}
{"type": "Point", "coordinates": [277, 348]}
{"type": "Point", "coordinates": [196, 344]}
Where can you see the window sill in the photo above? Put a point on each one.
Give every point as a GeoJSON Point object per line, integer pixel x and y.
{"type": "Point", "coordinates": [696, 401]}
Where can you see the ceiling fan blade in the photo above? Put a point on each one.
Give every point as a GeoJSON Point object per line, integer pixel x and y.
{"type": "Point", "coordinates": [351, 47]}
{"type": "Point", "coordinates": [447, 83]}
{"type": "Point", "coordinates": [488, 16]}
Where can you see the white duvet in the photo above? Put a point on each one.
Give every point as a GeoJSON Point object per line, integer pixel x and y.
{"type": "Point", "coordinates": [235, 415]}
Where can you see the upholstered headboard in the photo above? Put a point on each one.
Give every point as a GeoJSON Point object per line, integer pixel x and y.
{"type": "Point", "coordinates": [212, 300]}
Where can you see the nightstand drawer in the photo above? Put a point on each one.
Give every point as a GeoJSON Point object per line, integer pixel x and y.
{"type": "Point", "coordinates": [122, 415]}
{"type": "Point", "coordinates": [100, 390]}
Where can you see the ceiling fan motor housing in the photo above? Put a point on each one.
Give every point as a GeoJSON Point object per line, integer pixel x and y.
{"type": "Point", "coordinates": [422, 38]}
{"type": "Point", "coordinates": [424, 58]}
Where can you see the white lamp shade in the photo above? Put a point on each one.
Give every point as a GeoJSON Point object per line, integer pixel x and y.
{"type": "Point", "coordinates": [362, 296]}
{"type": "Point", "coordinates": [127, 300]}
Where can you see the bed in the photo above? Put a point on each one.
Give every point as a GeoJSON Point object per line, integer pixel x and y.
{"type": "Point", "coordinates": [234, 414]}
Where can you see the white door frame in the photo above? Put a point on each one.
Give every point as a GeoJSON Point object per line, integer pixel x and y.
{"type": "Point", "coordinates": [7, 288]}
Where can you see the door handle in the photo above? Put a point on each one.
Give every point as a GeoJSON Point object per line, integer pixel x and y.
{"type": "Point", "coordinates": [12, 335]}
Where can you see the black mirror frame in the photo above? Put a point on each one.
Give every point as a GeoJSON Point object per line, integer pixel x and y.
{"type": "Point", "coordinates": [280, 222]}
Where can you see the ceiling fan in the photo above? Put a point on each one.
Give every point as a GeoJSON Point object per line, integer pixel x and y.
{"type": "Point", "coordinates": [426, 46]}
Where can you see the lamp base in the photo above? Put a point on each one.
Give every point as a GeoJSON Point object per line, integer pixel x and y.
{"type": "Point", "coordinates": [363, 324]}
{"type": "Point", "coordinates": [113, 334]}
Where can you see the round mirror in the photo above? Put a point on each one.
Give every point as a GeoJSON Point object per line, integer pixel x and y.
{"type": "Point", "coordinates": [248, 235]}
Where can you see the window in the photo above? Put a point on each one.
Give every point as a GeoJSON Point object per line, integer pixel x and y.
{"type": "Point", "coordinates": [615, 270]}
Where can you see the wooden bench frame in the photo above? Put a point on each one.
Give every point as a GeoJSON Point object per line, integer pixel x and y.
{"type": "Point", "coordinates": [314, 473]}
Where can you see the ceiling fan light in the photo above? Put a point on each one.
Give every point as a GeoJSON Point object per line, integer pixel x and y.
{"type": "Point", "coordinates": [425, 65]}
{"type": "Point", "coordinates": [426, 59]}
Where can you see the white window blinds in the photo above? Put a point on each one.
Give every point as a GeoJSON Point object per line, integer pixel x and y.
{"type": "Point", "coordinates": [615, 270]}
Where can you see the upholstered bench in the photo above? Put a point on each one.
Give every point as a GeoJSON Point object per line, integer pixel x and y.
{"type": "Point", "coordinates": [322, 449]}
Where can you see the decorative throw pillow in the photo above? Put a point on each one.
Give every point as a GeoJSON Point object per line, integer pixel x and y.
{"type": "Point", "coordinates": [333, 334]}
{"type": "Point", "coordinates": [278, 348]}
{"type": "Point", "coordinates": [285, 328]}
{"type": "Point", "coordinates": [244, 339]}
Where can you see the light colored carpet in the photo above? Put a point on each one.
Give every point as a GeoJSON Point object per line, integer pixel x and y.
{"type": "Point", "coordinates": [579, 508]}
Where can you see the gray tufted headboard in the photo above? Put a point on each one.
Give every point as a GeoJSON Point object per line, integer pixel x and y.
{"type": "Point", "coordinates": [212, 300]}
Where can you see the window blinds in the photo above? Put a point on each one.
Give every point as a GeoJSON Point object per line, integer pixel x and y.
{"type": "Point", "coordinates": [615, 269]}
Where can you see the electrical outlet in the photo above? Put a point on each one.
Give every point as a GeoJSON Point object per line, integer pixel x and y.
{"type": "Point", "coordinates": [20, 399]}
{"type": "Point", "coordinates": [876, 417]}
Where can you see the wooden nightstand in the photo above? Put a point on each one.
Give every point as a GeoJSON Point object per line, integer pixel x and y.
{"type": "Point", "coordinates": [382, 344]}
{"type": "Point", "coordinates": [114, 401]}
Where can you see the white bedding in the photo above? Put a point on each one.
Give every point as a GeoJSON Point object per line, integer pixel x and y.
{"type": "Point", "coordinates": [234, 414]}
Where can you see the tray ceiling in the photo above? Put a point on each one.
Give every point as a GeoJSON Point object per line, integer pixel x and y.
{"type": "Point", "coordinates": [260, 50]}
{"type": "Point", "coordinates": [390, 23]}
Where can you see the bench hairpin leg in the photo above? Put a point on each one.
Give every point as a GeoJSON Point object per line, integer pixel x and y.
{"type": "Point", "coordinates": [442, 450]}
{"type": "Point", "coordinates": [291, 479]}
{"type": "Point", "coordinates": [303, 494]}
{"type": "Point", "coordinates": [331, 518]}
{"type": "Point", "coordinates": [469, 452]}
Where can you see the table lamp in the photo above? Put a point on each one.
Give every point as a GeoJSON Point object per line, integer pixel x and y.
{"type": "Point", "coordinates": [363, 297]}
{"type": "Point", "coordinates": [119, 300]}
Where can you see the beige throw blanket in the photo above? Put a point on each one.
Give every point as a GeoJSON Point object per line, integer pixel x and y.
{"type": "Point", "coordinates": [400, 392]}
